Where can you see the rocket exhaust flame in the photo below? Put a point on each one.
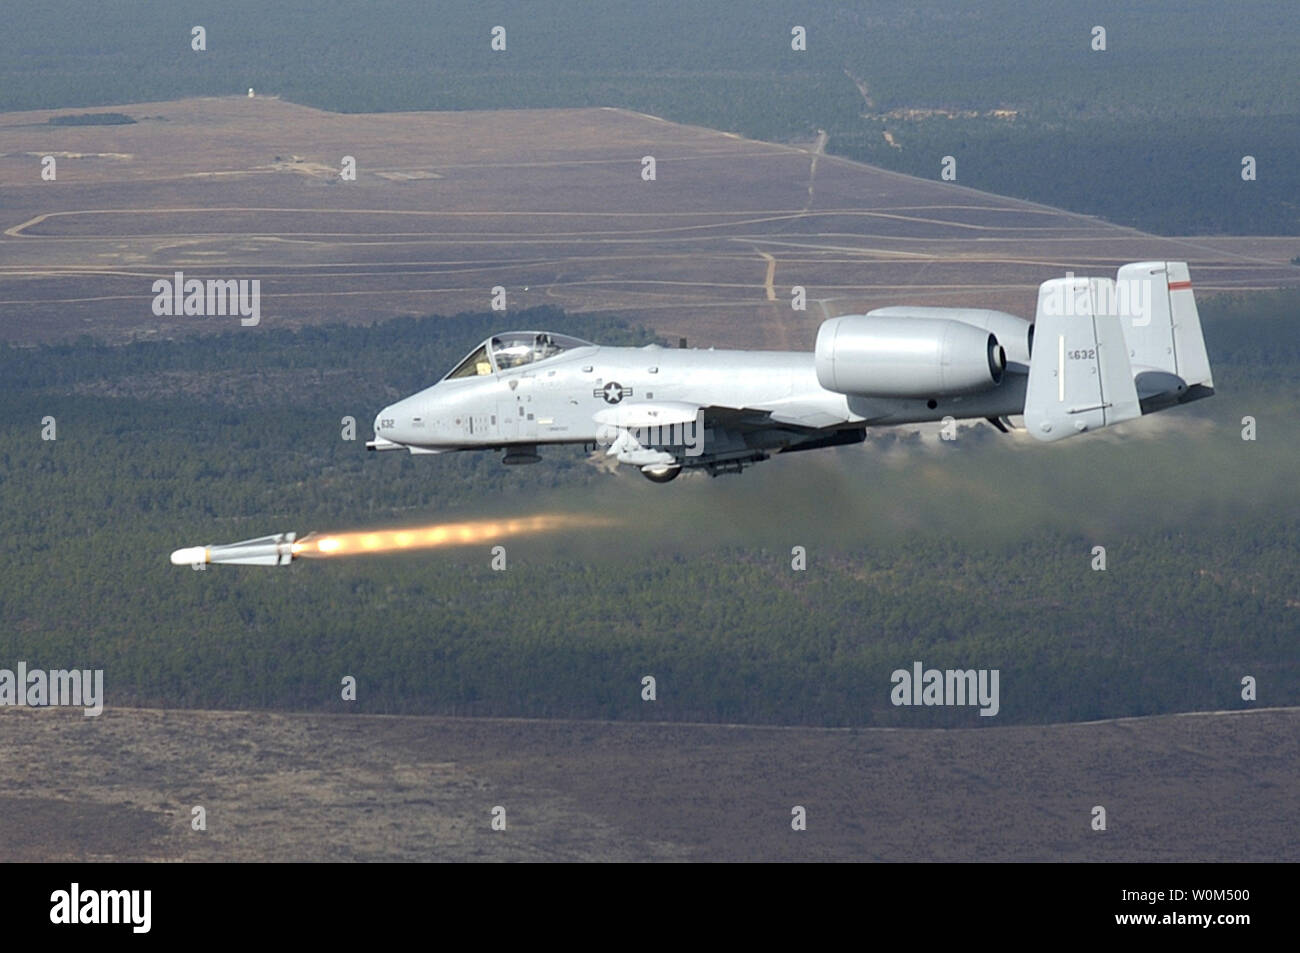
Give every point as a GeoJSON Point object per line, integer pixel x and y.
{"type": "Point", "coordinates": [438, 534]}
{"type": "Point", "coordinates": [281, 549]}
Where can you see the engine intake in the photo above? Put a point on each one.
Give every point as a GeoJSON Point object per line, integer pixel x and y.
{"type": "Point", "coordinates": [905, 357]}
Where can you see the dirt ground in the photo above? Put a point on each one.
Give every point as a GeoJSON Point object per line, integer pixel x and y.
{"type": "Point", "coordinates": [549, 204]}
{"type": "Point", "coordinates": [304, 787]}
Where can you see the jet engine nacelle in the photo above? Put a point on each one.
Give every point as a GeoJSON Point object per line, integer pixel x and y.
{"type": "Point", "coordinates": [869, 356]}
{"type": "Point", "coordinates": [1013, 333]}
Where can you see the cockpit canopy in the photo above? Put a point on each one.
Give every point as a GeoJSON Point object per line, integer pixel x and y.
{"type": "Point", "coordinates": [514, 349]}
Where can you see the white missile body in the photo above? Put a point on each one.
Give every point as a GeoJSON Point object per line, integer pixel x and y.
{"type": "Point", "coordinates": [275, 550]}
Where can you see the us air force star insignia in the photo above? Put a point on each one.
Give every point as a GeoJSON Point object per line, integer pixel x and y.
{"type": "Point", "coordinates": [613, 392]}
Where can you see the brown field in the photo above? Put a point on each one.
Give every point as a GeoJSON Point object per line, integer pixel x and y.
{"type": "Point", "coordinates": [288, 787]}
{"type": "Point", "coordinates": [447, 205]}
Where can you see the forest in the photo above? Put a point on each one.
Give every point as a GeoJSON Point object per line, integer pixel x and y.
{"type": "Point", "coordinates": [980, 553]}
{"type": "Point", "coordinates": [974, 554]}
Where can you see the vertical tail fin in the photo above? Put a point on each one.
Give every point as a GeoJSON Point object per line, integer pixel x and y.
{"type": "Point", "coordinates": [1107, 351]}
{"type": "Point", "coordinates": [1080, 378]}
{"type": "Point", "coordinates": [1163, 327]}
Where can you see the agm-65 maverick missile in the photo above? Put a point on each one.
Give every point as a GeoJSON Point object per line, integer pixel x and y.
{"type": "Point", "coordinates": [278, 550]}
{"type": "Point", "coordinates": [284, 548]}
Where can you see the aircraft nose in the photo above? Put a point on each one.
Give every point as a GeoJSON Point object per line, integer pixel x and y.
{"type": "Point", "coordinates": [400, 421]}
{"type": "Point", "coordinates": [386, 437]}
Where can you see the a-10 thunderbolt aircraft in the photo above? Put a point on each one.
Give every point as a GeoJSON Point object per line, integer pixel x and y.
{"type": "Point", "coordinates": [1100, 351]}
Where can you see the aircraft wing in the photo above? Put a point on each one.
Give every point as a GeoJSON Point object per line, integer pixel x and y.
{"type": "Point", "coordinates": [662, 414]}
{"type": "Point", "coordinates": [664, 436]}
{"type": "Point", "coordinates": [743, 419]}
{"type": "Point", "coordinates": [803, 418]}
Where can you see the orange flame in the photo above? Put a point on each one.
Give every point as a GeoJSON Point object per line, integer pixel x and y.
{"type": "Point", "coordinates": [438, 534]}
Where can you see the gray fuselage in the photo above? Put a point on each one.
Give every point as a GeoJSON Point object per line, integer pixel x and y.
{"type": "Point", "coordinates": [556, 400]}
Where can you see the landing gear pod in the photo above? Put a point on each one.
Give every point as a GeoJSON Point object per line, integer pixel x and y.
{"type": "Point", "coordinates": [661, 474]}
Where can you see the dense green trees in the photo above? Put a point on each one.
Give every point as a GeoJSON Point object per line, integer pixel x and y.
{"type": "Point", "coordinates": [973, 557]}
